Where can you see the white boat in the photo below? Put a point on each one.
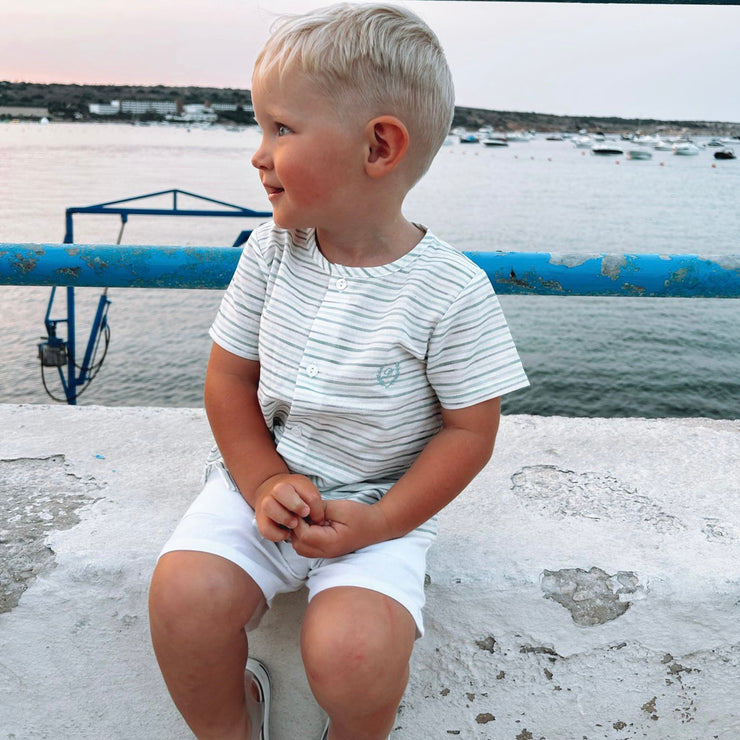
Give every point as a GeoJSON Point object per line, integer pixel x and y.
{"type": "Point", "coordinates": [583, 142]}
{"type": "Point", "coordinates": [685, 148]}
{"type": "Point", "coordinates": [645, 140]}
{"type": "Point", "coordinates": [495, 141]}
{"type": "Point", "coordinates": [639, 154]}
{"type": "Point", "coordinates": [663, 146]}
{"type": "Point", "coordinates": [519, 136]}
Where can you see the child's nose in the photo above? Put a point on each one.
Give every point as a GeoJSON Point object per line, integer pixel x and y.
{"type": "Point", "coordinates": [260, 159]}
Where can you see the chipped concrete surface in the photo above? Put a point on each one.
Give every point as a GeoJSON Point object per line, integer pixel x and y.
{"type": "Point", "coordinates": [598, 513]}
{"type": "Point", "coordinates": [591, 596]}
{"type": "Point", "coordinates": [37, 496]}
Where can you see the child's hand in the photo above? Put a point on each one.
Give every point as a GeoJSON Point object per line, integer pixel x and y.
{"type": "Point", "coordinates": [283, 502]}
{"type": "Point", "coordinates": [347, 526]}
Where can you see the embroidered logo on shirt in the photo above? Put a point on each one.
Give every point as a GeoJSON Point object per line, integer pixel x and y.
{"type": "Point", "coordinates": [388, 374]}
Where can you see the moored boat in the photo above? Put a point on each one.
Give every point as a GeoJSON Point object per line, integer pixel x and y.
{"type": "Point", "coordinates": [583, 142]}
{"type": "Point", "coordinates": [639, 154]}
{"type": "Point", "coordinates": [727, 153]}
{"type": "Point", "coordinates": [495, 141]}
{"type": "Point", "coordinates": [519, 136]}
{"type": "Point", "coordinates": [685, 148]}
{"type": "Point", "coordinates": [606, 148]}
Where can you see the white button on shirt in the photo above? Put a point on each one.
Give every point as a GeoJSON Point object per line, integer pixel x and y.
{"type": "Point", "coordinates": [341, 284]}
{"type": "Point", "coordinates": [312, 371]}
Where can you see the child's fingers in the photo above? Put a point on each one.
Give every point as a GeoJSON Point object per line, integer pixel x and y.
{"type": "Point", "coordinates": [314, 541]}
{"type": "Point", "coordinates": [272, 531]}
{"type": "Point", "coordinates": [311, 497]}
{"type": "Point", "coordinates": [274, 509]}
{"type": "Point", "coordinates": [287, 495]}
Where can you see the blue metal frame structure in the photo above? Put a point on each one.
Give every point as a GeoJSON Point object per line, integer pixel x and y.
{"type": "Point", "coordinates": [61, 353]}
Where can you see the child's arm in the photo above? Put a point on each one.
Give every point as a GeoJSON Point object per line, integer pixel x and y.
{"type": "Point", "coordinates": [444, 468]}
{"type": "Point", "coordinates": [446, 465]}
{"type": "Point", "coordinates": [278, 497]}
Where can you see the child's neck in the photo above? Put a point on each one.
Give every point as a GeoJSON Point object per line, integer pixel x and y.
{"type": "Point", "coordinates": [369, 246]}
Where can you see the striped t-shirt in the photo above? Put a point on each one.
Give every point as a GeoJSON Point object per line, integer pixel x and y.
{"type": "Point", "coordinates": [356, 361]}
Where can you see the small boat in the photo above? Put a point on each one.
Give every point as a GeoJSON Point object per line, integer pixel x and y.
{"type": "Point", "coordinates": [639, 154]}
{"type": "Point", "coordinates": [727, 153]}
{"type": "Point", "coordinates": [685, 148]}
{"type": "Point", "coordinates": [468, 139]}
{"type": "Point", "coordinates": [715, 142]}
{"type": "Point", "coordinates": [495, 141]}
{"type": "Point", "coordinates": [606, 148]}
{"type": "Point", "coordinates": [555, 137]}
{"type": "Point", "coordinates": [663, 146]}
{"type": "Point", "coordinates": [519, 136]}
{"type": "Point", "coordinates": [583, 142]}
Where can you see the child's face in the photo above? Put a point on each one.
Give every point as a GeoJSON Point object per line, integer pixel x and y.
{"type": "Point", "coordinates": [310, 160]}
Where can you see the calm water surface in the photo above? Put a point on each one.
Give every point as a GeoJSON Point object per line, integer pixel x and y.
{"type": "Point", "coordinates": [584, 356]}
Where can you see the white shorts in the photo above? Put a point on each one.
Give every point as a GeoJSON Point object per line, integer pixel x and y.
{"type": "Point", "coordinates": [221, 522]}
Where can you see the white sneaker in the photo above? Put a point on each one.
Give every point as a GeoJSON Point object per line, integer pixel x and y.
{"type": "Point", "coordinates": [258, 708]}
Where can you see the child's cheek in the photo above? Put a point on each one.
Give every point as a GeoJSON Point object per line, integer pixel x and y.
{"type": "Point", "coordinates": [305, 186]}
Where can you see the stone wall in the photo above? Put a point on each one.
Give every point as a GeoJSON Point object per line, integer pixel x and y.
{"type": "Point", "coordinates": [585, 585]}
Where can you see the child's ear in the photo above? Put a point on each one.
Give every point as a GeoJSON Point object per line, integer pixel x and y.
{"type": "Point", "coordinates": [387, 140]}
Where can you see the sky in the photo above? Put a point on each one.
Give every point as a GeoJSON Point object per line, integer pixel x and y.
{"type": "Point", "coordinates": [677, 62]}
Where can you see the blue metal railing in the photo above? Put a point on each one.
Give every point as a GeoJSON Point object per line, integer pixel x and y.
{"type": "Point", "coordinates": [524, 273]}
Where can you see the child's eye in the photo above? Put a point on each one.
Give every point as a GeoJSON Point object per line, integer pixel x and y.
{"type": "Point", "coordinates": [282, 130]}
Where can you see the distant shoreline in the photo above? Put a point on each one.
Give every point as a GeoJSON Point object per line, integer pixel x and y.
{"type": "Point", "coordinates": [473, 118]}
{"type": "Point", "coordinates": [63, 102]}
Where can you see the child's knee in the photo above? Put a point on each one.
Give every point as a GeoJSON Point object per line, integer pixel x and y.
{"type": "Point", "coordinates": [192, 586]}
{"type": "Point", "coordinates": [341, 654]}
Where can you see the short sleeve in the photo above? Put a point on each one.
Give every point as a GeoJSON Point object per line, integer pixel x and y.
{"type": "Point", "coordinates": [237, 323]}
{"type": "Point", "coordinates": [472, 357]}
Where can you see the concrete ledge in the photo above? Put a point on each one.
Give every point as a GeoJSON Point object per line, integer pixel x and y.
{"type": "Point", "coordinates": [586, 585]}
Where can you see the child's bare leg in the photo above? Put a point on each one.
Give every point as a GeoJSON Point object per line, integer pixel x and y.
{"type": "Point", "coordinates": [198, 606]}
{"type": "Point", "coordinates": [356, 646]}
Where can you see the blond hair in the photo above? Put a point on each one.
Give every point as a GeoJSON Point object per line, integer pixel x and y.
{"type": "Point", "coordinates": [381, 59]}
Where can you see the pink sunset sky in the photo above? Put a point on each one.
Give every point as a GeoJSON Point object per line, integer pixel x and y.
{"type": "Point", "coordinates": [644, 61]}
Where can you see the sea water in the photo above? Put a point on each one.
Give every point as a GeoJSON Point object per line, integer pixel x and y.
{"type": "Point", "coordinates": [584, 356]}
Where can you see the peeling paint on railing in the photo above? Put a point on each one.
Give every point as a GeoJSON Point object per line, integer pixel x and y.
{"type": "Point", "coordinates": [534, 273]}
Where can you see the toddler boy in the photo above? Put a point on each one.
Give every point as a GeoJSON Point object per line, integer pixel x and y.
{"type": "Point", "coordinates": [353, 388]}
